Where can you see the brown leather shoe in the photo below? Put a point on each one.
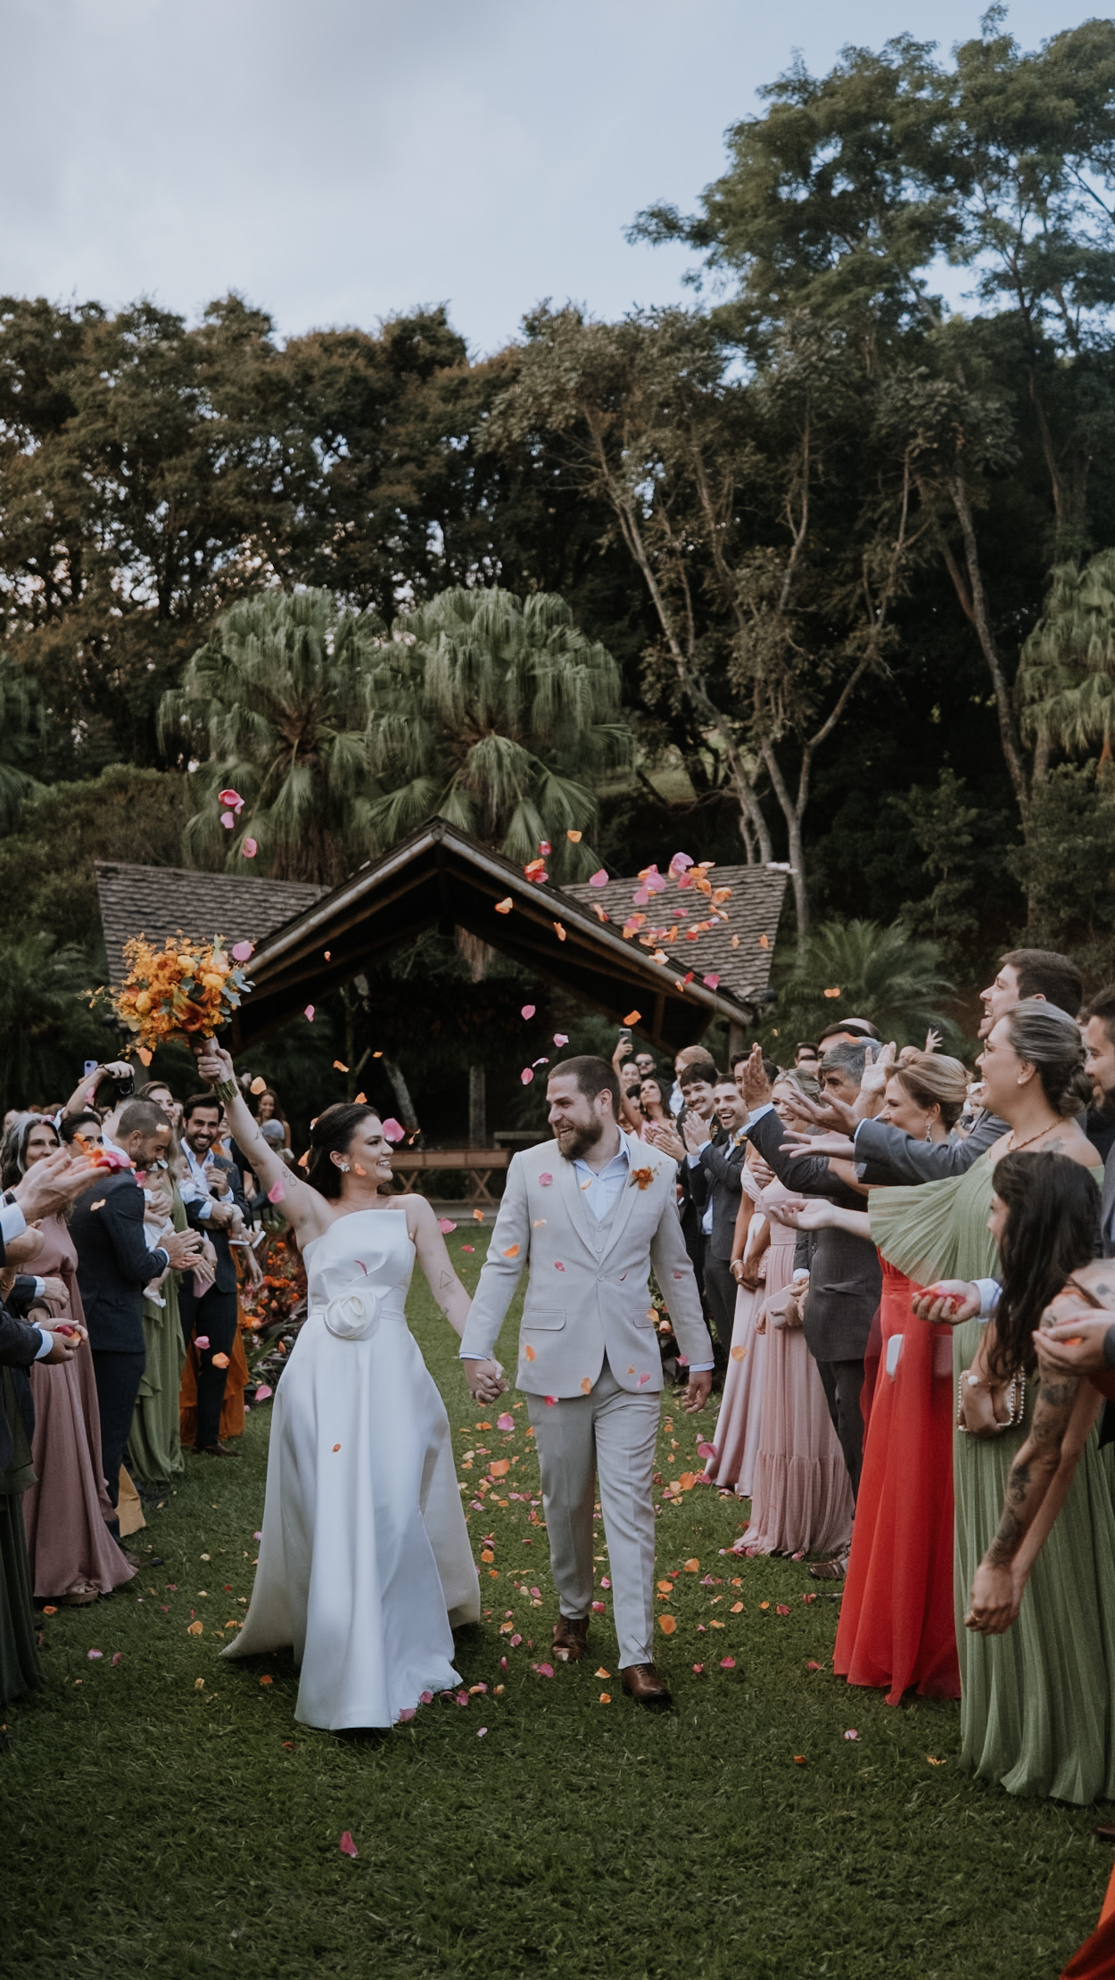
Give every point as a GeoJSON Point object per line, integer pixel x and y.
{"type": "Point", "coordinates": [642, 1683]}
{"type": "Point", "coordinates": [216, 1450]}
{"type": "Point", "coordinates": [570, 1635]}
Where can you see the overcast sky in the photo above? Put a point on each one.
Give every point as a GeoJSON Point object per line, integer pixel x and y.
{"type": "Point", "coordinates": [339, 160]}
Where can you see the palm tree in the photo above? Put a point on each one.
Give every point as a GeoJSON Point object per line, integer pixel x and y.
{"type": "Point", "coordinates": [499, 715]}
{"type": "Point", "coordinates": [860, 969]}
{"type": "Point", "coordinates": [274, 705]}
{"type": "Point", "coordinates": [1067, 676]}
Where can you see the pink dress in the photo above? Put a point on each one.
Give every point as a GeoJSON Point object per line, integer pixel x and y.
{"type": "Point", "coordinates": [801, 1500]}
{"type": "Point", "coordinates": [65, 1510]}
{"type": "Point", "coordinates": [736, 1436]}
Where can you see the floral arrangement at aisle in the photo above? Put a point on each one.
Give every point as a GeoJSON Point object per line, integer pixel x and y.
{"type": "Point", "coordinates": [185, 990]}
{"type": "Point", "coordinates": [273, 1312]}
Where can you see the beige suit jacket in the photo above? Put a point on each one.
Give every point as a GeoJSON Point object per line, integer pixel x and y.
{"type": "Point", "coordinates": [588, 1293]}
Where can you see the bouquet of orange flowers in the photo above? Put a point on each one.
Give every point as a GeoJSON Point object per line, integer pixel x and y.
{"type": "Point", "coordinates": [184, 990]}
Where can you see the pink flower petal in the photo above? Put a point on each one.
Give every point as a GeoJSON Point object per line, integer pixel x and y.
{"type": "Point", "coordinates": [118, 1656]}
{"type": "Point", "coordinates": [599, 878]}
{"type": "Point", "coordinates": [544, 1670]}
{"type": "Point", "coordinates": [727, 1663]}
{"type": "Point", "coordinates": [712, 981]}
{"type": "Point", "coordinates": [445, 1225]}
{"type": "Point", "coordinates": [706, 1450]}
{"type": "Point", "coordinates": [679, 864]}
{"type": "Point", "coordinates": [277, 1191]}
{"type": "Point", "coordinates": [249, 849]}
{"type": "Point", "coordinates": [561, 1038]}
{"type": "Point", "coordinates": [813, 1665]}
{"type": "Point", "coordinates": [310, 1008]}
{"type": "Point", "coordinates": [599, 1609]}
{"type": "Point", "coordinates": [348, 1847]}
{"type": "Point", "coordinates": [92, 1654]}
{"type": "Point", "coordinates": [551, 1402]}
{"type": "Point", "coordinates": [526, 1075]}
{"type": "Point", "coordinates": [392, 1130]}
{"type": "Point", "coordinates": [541, 1062]}
{"type": "Point", "coordinates": [228, 820]}
{"type": "Point", "coordinates": [851, 1734]}
{"type": "Point", "coordinates": [230, 797]}
{"type": "Point", "coordinates": [529, 1010]}
{"type": "Point", "coordinates": [425, 1698]}
{"type": "Point", "coordinates": [545, 1181]}
{"type": "Point", "coordinates": [408, 1712]}
{"type": "Point", "coordinates": [241, 951]}
{"type": "Point", "coordinates": [505, 1422]}
{"type": "Point", "coordinates": [483, 1733]}
{"type": "Point", "coordinates": [264, 1390]}
{"type": "Point", "coordinates": [201, 1340]}
{"type": "Point", "coordinates": [558, 1266]}
{"type": "Point", "coordinates": [544, 847]}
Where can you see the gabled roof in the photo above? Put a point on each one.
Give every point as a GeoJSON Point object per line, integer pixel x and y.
{"type": "Point", "coordinates": [158, 901]}
{"type": "Point", "coordinates": [443, 878]}
{"type": "Point", "coordinates": [739, 949]}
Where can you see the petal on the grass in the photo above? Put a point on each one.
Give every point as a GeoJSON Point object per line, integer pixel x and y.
{"type": "Point", "coordinates": [347, 1846]}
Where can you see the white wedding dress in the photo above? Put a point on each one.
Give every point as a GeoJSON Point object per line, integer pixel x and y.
{"type": "Point", "coordinates": [364, 1563]}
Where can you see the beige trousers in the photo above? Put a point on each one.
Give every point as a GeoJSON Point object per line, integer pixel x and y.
{"type": "Point", "coordinates": [608, 1435]}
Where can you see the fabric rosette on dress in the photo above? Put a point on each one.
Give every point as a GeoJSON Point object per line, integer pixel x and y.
{"type": "Point", "coordinates": [353, 1316]}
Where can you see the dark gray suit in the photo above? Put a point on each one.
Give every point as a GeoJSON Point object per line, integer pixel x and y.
{"type": "Point", "coordinates": [845, 1285]}
{"type": "Point", "coordinates": [717, 1178]}
{"type": "Point", "coordinates": [886, 1155]}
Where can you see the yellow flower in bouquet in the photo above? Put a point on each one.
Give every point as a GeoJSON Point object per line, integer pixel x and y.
{"type": "Point", "coordinates": [186, 989]}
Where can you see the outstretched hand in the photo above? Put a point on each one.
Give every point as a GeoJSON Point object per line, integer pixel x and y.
{"type": "Point", "coordinates": [833, 1115]}
{"type": "Point", "coordinates": [756, 1086]}
{"type": "Point", "coordinates": [800, 1213]}
{"type": "Point", "coordinates": [948, 1302]}
{"type": "Point", "coordinates": [873, 1085]}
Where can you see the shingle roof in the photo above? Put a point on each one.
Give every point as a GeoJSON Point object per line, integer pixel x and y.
{"type": "Point", "coordinates": [157, 901]}
{"type": "Point", "coordinates": [752, 912]}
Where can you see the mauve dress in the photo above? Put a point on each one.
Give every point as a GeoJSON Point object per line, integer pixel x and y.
{"type": "Point", "coordinates": [736, 1436]}
{"type": "Point", "coordinates": [65, 1510]}
{"type": "Point", "coordinates": [801, 1500]}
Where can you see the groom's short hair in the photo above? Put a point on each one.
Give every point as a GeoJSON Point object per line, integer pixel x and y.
{"type": "Point", "coordinates": [592, 1075]}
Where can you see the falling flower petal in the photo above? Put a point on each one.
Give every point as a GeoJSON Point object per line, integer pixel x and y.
{"type": "Point", "coordinates": [574, 838]}
{"type": "Point", "coordinates": [392, 1131]}
{"type": "Point", "coordinates": [228, 820]}
{"type": "Point", "coordinates": [241, 951]}
{"type": "Point", "coordinates": [249, 849]}
{"type": "Point", "coordinates": [445, 1225]}
{"type": "Point", "coordinates": [738, 1353]}
{"type": "Point", "coordinates": [348, 1847]}
{"type": "Point", "coordinates": [528, 1353]}
{"type": "Point", "coordinates": [310, 1012]}
{"type": "Point", "coordinates": [712, 981]}
{"type": "Point", "coordinates": [526, 1075]}
{"type": "Point", "coordinates": [599, 878]}
{"type": "Point", "coordinates": [505, 906]}
{"type": "Point", "coordinates": [277, 1191]}
{"type": "Point", "coordinates": [512, 1251]}
{"type": "Point", "coordinates": [632, 1017]}
{"type": "Point", "coordinates": [201, 1341]}
{"type": "Point", "coordinates": [528, 1010]}
{"type": "Point", "coordinates": [220, 1361]}
{"type": "Point", "coordinates": [232, 798]}
{"type": "Point", "coordinates": [264, 1390]}
{"type": "Point", "coordinates": [586, 1385]}
{"type": "Point", "coordinates": [561, 1038]}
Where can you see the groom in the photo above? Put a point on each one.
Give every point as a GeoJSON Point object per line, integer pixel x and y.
{"type": "Point", "coordinates": [591, 1212]}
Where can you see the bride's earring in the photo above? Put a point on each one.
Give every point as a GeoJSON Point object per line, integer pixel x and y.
{"type": "Point", "coordinates": [344, 1168]}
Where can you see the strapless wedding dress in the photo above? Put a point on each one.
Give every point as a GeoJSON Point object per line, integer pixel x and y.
{"type": "Point", "coordinates": [364, 1564]}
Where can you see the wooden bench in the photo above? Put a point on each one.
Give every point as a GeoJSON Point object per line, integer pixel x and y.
{"type": "Point", "coordinates": [477, 1163]}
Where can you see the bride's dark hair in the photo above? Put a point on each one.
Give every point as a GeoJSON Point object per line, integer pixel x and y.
{"type": "Point", "coordinates": [1052, 1208]}
{"type": "Point", "coordinates": [332, 1133]}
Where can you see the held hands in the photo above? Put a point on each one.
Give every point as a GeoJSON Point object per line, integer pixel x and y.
{"type": "Point", "coordinates": [485, 1379]}
{"type": "Point", "coordinates": [949, 1302]}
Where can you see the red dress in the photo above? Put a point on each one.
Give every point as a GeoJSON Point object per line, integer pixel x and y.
{"type": "Point", "coordinates": [897, 1626]}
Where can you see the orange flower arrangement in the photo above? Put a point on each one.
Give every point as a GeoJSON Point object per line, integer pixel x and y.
{"type": "Point", "coordinates": [185, 990]}
{"type": "Point", "coordinates": [642, 1178]}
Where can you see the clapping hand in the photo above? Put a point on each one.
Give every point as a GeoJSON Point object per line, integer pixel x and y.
{"type": "Point", "coordinates": [696, 1132]}
{"type": "Point", "coordinates": [667, 1139]}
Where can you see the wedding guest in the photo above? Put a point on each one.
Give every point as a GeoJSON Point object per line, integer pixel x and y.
{"type": "Point", "coordinates": [268, 1108]}
{"type": "Point", "coordinates": [83, 1129]}
{"type": "Point", "coordinates": [807, 1058]}
{"type": "Point", "coordinates": [801, 1497]}
{"type": "Point", "coordinates": [653, 1107]}
{"type": "Point", "coordinates": [697, 1080]}
{"type": "Point", "coordinates": [1033, 1075]}
{"type": "Point", "coordinates": [213, 1195]}
{"type": "Point", "coordinates": [647, 1065]}
{"type": "Point", "coordinates": [113, 1266]}
{"type": "Point", "coordinates": [157, 1091]}
{"type": "Point", "coordinates": [72, 1554]}
{"type": "Point", "coordinates": [845, 1277]}
{"type": "Point", "coordinates": [154, 1441]}
{"type": "Point", "coordinates": [690, 1055]}
{"type": "Point", "coordinates": [716, 1149]}
{"type": "Point", "coordinates": [736, 1436]}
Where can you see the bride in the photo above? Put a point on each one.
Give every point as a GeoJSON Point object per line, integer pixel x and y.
{"type": "Point", "coordinates": [364, 1563]}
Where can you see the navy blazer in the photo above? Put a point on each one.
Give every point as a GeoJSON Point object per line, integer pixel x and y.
{"type": "Point", "coordinates": [113, 1262]}
{"type": "Point", "coordinates": [719, 1177]}
{"type": "Point", "coordinates": [226, 1279]}
{"type": "Point", "coordinates": [845, 1276]}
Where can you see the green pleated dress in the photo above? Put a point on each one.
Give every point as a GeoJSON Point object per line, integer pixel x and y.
{"type": "Point", "coordinates": [155, 1445]}
{"type": "Point", "coordinates": [1037, 1709]}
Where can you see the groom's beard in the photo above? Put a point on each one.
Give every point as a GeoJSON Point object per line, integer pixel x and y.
{"type": "Point", "coordinates": [576, 1142]}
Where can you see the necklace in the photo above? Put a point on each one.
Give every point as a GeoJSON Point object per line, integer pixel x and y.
{"type": "Point", "coordinates": [1015, 1146]}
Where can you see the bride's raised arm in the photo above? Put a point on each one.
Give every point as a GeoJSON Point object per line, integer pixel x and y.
{"type": "Point", "coordinates": [436, 1263]}
{"type": "Point", "coordinates": [301, 1206]}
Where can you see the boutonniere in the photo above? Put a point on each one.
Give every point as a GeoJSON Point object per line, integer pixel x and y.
{"type": "Point", "coordinates": [642, 1178]}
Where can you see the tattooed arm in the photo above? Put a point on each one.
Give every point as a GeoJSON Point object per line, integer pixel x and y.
{"type": "Point", "coordinates": [1064, 1412]}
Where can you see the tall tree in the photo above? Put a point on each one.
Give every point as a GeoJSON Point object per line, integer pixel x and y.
{"type": "Point", "coordinates": [274, 707]}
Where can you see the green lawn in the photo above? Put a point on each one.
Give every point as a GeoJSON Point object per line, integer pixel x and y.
{"type": "Point", "coordinates": [166, 1815]}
